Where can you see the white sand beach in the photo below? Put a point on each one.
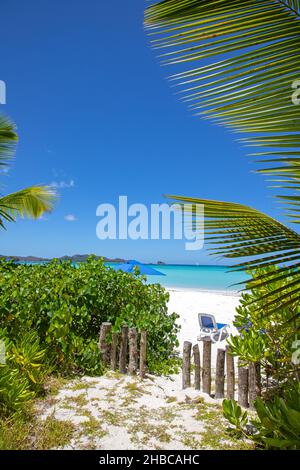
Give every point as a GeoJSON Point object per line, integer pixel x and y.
{"type": "Point", "coordinates": [120, 412]}
{"type": "Point", "coordinates": [188, 303]}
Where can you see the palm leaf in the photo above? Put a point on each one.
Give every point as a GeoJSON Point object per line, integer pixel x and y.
{"type": "Point", "coordinates": [233, 230]}
{"type": "Point", "coordinates": [29, 202]}
{"type": "Point", "coordinates": [8, 140]}
{"type": "Point", "coordinates": [239, 60]}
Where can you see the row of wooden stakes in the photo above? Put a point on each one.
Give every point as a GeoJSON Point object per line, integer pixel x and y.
{"type": "Point", "coordinates": [120, 350]}
{"type": "Point", "coordinates": [248, 378]}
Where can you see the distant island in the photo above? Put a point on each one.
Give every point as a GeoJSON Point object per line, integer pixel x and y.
{"type": "Point", "coordinates": [74, 258]}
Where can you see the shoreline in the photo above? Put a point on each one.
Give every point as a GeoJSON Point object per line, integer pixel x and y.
{"type": "Point", "coordinates": [229, 293]}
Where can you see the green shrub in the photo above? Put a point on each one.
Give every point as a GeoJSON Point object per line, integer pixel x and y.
{"type": "Point", "coordinates": [14, 390]}
{"type": "Point", "coordinates": [268, 337]}
{"type": "Point", "coordinates": [65, 307]}
{"type": "Point", "coordinates": [233, 413]}
{"type": "Point", "coordinates": [278, 420]}
{"type": "Point", "coordinates": [23, 373]}
{"type": "Point", "coordinates": [28, 358]}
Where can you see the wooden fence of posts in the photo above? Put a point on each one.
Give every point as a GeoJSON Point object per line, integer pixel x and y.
{"type": "Point", "coordinates": [248, 378]}
{"type": "Point", "coordinates": [120, 350]}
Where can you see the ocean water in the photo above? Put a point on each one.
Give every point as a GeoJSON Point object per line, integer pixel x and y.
{"type": "Point", "coordinates": [206, 278]}
{"type": "Point", "coordinates": [215, 278]}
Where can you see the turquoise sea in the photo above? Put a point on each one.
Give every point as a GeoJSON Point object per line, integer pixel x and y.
{"type": "Point", "coordinates": [206, 277]}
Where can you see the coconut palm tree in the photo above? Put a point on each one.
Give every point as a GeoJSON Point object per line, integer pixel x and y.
{"type": "Point", "coordinates": [30, 202]}
{"type": "Point", "coordinates": [240, 67]}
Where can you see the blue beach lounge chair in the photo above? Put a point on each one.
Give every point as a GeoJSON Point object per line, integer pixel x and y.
{"type": "Point", "coordinates": [210, 330]}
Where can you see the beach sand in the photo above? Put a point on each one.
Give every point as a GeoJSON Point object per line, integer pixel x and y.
{"type": "Point", "coordinates": [188, 303]}
{"type": "Point", "coordinates": [120, 412]}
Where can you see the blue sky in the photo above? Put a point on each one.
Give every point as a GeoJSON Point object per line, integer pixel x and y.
{"type": "Point", "coordinates": [96, 116]}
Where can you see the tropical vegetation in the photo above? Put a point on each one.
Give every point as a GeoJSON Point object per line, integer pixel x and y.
{"type": "Point", "coordinates": [267, 340]}
{"type": "Point", "coordinates": [268, 336]}
{"type": "Point", "coordinates": [277, 425]}
{"type": "Point", "coordinates": [50, 317]}
{"type": "Point", "coordinates": [32, 201]}
{"type": "Point", "coordinates": [239, 62]}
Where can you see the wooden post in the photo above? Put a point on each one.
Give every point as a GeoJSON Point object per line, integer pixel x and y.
{"type": "Point", "coordinates": [143, 354]}
{"type": "Point", "coordinates": [132, 351]}
{"type": "Point", "coordinates": [206, 371]}
{"type": "Point", "coordinates": [242, 386]}
{"type": "Point", "coordinates": [254, 382]}
{"type": "Point", "coordinates": [186, 365]}
{"type": "Point", "coordinates": [196, 354]}
{"type": "Point", "coordinates": [230, 374]}
{"type": "Point", "coordinates": [220, 373]}
{"type": "Point", "coordinates": [267, 371]}
{"type": "Point", "coordinates": [104, 345]}
{"type": "Point", "coordinates": [114, 345]}
{"type": "Point", "coordinates": [123, 349]}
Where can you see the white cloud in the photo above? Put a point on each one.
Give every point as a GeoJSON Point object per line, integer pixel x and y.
{"type": "Point", "coordinates": [70, 218]}
{"type": "Point", "coordinates": [62, 184]}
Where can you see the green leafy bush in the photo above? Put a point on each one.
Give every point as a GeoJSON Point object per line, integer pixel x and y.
{"type": "Point", "coordinates": [277, 425]}
{"type": "Point", "coordinates": [65, 307]}
{"type": "Point", "coordinates": [233, 413]}
{"type": "Point", "coordinates": [28, 358]}
{"type": "Point", "coordinates": [14, 390]}
{"type": "Point", "coordinates": [267, 337]}
{"type": "Point", "coordinates": [23, 372]}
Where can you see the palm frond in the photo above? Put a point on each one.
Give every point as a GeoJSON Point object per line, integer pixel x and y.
{"type": "Point", "coordinates": [8, 140]}
{"type": "Point", "coordinates": [29, 202]}
{"type": "Point", "coordinates": [238, 61]}
{"type": "Point", "coordinates": [237, 231]}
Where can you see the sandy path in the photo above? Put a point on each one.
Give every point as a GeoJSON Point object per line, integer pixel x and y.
{"type": "Point", "coordinates": [121, 412]}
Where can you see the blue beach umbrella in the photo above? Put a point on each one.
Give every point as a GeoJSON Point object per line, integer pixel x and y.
{"type": "Point", "coordinates": [129, 267]}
